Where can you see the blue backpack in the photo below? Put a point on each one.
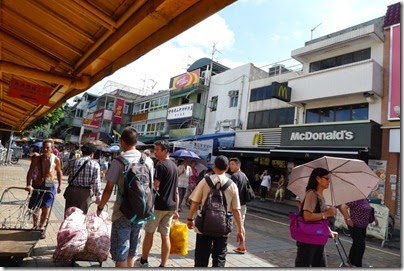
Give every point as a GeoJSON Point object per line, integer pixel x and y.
{"type": "Point", "coordinates": [136, 196]}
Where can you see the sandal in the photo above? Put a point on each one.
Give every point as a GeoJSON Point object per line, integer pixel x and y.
{"type": "Point", "coordinates": [240, 251]}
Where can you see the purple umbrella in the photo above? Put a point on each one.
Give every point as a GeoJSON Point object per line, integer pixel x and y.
{"type": "Point", "coordinates": [184, 154]}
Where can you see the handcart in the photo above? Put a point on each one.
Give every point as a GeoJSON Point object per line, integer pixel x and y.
{"type": "Point", "coordinates": [17, 235]}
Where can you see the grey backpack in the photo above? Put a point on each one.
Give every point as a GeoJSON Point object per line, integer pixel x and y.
{"type": "Point", "coordinates": [214, 220]}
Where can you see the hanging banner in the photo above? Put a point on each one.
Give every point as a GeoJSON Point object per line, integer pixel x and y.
{"type": "Point", "coordinates": [32, 93]}
{"type": "Point", "coordinates": [119, 104]}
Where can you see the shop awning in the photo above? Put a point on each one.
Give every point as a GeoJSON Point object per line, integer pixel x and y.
{"type": "Point", "coordinates": [208, 136]}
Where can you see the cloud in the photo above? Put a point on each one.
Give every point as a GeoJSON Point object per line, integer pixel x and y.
{"type": "Point", "coordinates": [174, 57]}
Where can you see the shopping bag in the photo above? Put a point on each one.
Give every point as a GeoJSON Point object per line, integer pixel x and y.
{"type": "Point", "coordinates": [179, 238]}
{"type": "Point", "coordinates": [314, 232]}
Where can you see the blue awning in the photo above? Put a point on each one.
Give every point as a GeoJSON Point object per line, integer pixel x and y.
{"type": "Point", "coordinates": [92, 104]}
{"type": "Point", "coordinates": [207, 136]}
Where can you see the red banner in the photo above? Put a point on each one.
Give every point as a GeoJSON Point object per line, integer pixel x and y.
{"type": "Point", "coordinates": [98, 114]}
{"type": "Point", "coordinates": [91, 123]}
{"type": "Point", "coordinates": [32, 93]}
{"type": "Point", "coordinates": [119, 104]}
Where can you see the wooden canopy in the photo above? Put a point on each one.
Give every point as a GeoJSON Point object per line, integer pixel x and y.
{"type": "Point", "coordinates": [52, 50]}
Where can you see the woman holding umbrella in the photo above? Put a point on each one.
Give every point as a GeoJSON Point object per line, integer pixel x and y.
{"type": "Point", "coordinates": [314, 208]}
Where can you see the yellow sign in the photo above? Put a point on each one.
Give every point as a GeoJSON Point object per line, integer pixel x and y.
{"type": "Point", "coordinates": [283, 93]}
{"type": "Point", "coordinates": [258, 139]}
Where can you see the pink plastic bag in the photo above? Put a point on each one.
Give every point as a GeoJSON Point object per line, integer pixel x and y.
{"type": "Point", "coordinates": [99, 235]}
{"type": "Point", "coordinates": [72, 236]}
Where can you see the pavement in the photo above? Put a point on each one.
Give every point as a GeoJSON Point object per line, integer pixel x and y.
{"type": "Point", "coordinates": [41, 255]}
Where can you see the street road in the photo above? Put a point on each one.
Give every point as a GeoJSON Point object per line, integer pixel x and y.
{"type": "Point", "coordinates": [268, 238]}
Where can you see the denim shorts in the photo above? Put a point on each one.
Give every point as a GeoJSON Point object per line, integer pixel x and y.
{"type": "Point", "coordinates": [125, 239]}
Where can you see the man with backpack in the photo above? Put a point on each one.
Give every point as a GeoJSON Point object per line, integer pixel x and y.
{"type": "Point", "coordinates": [208, 242]}
{"type": "Point", "coordinates": [241, 180]}
{"type": "Point", "coordinates": [165, 205]}
{"type": "Point", "coordinates": [131, 166]}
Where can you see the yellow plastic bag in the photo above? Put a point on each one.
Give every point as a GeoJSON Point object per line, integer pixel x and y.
{"type": "Point", "coordinates": [179, 238]}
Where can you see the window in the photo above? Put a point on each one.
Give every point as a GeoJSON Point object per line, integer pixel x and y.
{"type": "Point", "coordinates": [153, 128]}
{"type": "Point", "coordinates": [340, 60]}
{"type": "Point", "coordinates": [233, 101]}
{"type": "Point", "coordinates": [270, 118]}
{"type": "Point", "coordinates": [213, 103]}
{"type": "Point", "coordinates": [126, 109]}
{"type": "Point", "coordinates": [79, 113]}
{"type": "Point", "coordinates": [338, 113]}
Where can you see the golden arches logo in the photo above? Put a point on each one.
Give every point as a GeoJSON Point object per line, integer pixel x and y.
{"type": "Point", "coordinates": [258, 139]}
{"type": "Point", "coordinates": [283, 92]}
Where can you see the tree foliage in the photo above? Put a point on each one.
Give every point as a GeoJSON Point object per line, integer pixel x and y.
{"type": "Point", "coordinates": [51, 119]}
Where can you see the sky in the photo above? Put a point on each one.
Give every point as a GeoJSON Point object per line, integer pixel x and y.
{"type": "Point", "coordinates": [262, 32]}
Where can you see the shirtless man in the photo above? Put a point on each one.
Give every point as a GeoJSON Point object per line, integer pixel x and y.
{"type": "Point", "coordinates": [41, 175]}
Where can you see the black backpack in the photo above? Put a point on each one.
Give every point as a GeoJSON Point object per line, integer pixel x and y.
{"type": "Point", "coordinates": [136, 197]}
{"type": "Point", "coordinates": [214, 220]}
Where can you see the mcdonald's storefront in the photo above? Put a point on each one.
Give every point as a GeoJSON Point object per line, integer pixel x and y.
{"type": "Point", "coordinates": [280, 149]}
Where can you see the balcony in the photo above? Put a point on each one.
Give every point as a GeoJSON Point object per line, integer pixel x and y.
{"type": "Point", "coordinates": [354, 78]}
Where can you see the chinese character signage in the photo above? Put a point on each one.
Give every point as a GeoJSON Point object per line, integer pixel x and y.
{"type": "Point", "coordinates": [89, 123]}
{"type": "Point", "coordinates": [185, 79]}
{"type": "Point", "coordinates": [32, 93]}
{"type": "Point", "coordinates": [179, 112]}
{"type": "Point", "coordinates": [98, 114]}
{"type": "Point", "coordinates": [119, 104]}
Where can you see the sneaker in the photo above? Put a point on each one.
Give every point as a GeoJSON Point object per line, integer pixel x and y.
{"type": "Point", "coordinates": [141, 265]}
{"type": "Point", "coordinates": [239, 250]}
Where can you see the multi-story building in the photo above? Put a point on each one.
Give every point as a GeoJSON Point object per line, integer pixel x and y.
{"type": "Point", "coordinates": [188, 98]}
{"type": "Point", "coordinates": [149, 115]}
{"type": "Point", "coordinates": [74, 121]}
{"type": "Point", "coordinates": [390, 118]}
{"type": "Point", "coordinates": [332, 106]}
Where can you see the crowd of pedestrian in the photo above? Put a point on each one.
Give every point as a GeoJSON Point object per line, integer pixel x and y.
{"type": "Point", "coordinates": [173, 185]}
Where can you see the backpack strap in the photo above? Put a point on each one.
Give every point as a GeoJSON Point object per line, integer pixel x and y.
{"type": "Point", "coordinates": [226, 185]}
{"type": "Point", "coordinates": [211, 185]}
{"type": "Point", "coordinates": [209, 181]}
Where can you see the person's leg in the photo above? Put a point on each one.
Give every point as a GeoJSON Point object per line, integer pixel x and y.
{"type": "Point", "coordinates": [181, 194]}
{"type": "Point", "coordinates": [149, 229]}
{"type": "Point", "coordinates": [219, 251]}
{"type": "Point", "coordinates": [361, 246]}
{"type": "Point", "coordinates": [203, 249]}
{"type": "Point", "coordinates": [318, 259]}
{"type": "Point", "coordinates": [120, 244]}
{"type": "Point", "coordinates": [281, 194]}
{"type": "Point", "coordinates": [357, 248]}
{"type": "Point", "coordinates": [276, 194]}
{"type": "Point", "coordinates": [165, 248]}
{"type": "Point", "coordinates": [304, 255]}
{"type": "Point", "coordinates": [164, 230]}
{"type": "Point", "coordinates": [134, 243]}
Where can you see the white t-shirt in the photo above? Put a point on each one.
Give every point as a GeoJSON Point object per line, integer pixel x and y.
{"type": "Point", "coordinates": [266, 181]}
{"type": "Point", "coordinates": [183, 179]}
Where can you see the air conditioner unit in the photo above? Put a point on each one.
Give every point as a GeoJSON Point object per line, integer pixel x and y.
{"type": "Point", "coordinates": [235, 123]}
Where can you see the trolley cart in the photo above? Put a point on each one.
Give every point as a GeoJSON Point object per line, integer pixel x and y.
{"type": "Point", "coordinates": [17, 235]}
{"type": "Point", "coordinates": [344, 261]}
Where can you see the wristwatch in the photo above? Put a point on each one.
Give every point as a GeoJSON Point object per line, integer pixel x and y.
{"type": "Point", "coordinates": [190, 219]}
{"type": "Point", "coordinates": [99, 208]}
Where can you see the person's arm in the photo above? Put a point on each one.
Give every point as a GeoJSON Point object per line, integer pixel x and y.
{"type": "Point", "coordinates": [177, 200]}
{"type": "Point", "coordinates": [109, 187]}
{"type": "Point", "coordinates": [31, 169]}
{"type": "Point", "coordinates": [240, 226]}
{"type": "Point", "coordinates": [59, 174]}
{"type": "Point", "coordinates": [344, 211]}
{"type": "Point", "coordinates": [191, 215]}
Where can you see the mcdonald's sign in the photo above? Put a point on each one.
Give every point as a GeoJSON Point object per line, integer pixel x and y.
{"type": "Point", "coordinates": [258, 139]}
{"type": "Point", "coordinates": [281, 91]}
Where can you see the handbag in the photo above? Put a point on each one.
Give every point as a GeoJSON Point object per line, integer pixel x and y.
{"type": "Point", "coordinates": [250, 195]}
{"type": "Point", "coordinates": [308, 232]}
